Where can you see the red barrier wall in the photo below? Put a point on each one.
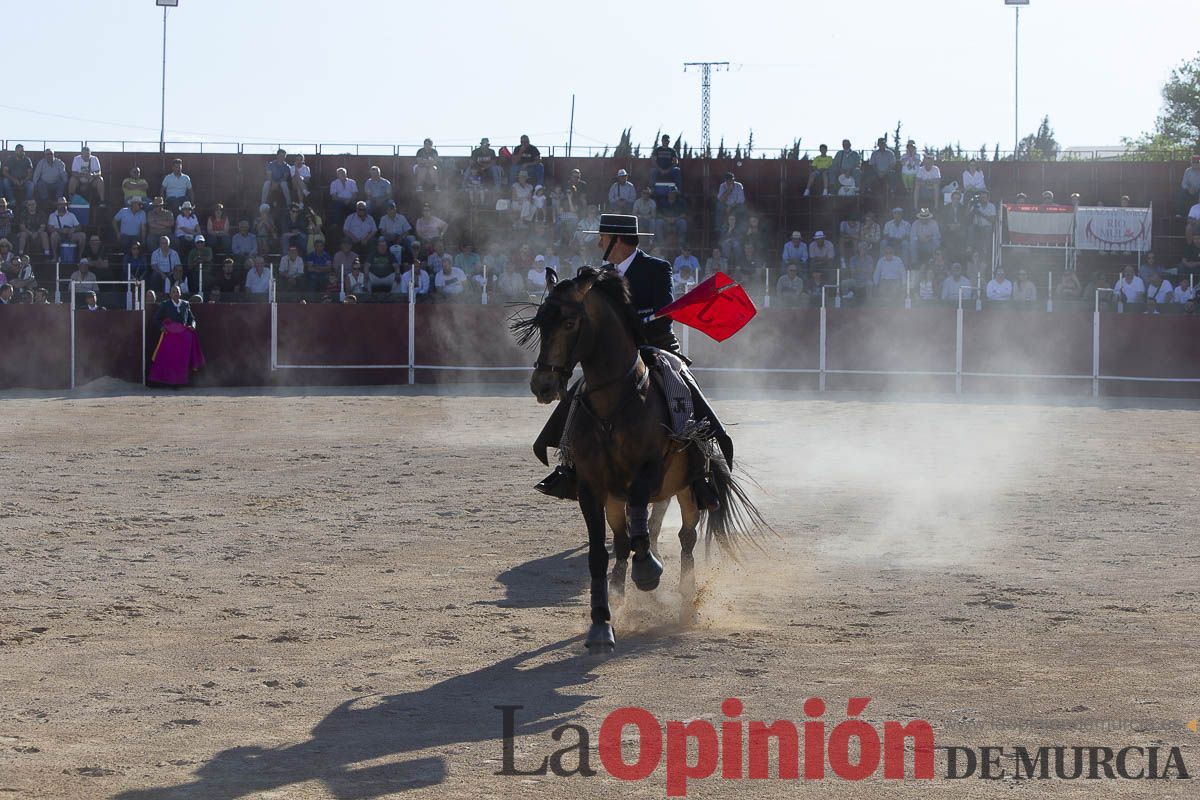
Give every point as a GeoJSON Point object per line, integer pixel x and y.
{"type": "Point", "coordinates": [237, 343]}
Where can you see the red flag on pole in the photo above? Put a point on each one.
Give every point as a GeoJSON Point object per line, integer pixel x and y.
{"type": "Point", "coordinates": [718, 306]}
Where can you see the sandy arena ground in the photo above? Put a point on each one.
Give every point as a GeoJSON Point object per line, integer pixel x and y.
{"type": "Point", "coordinates": [213, 595]}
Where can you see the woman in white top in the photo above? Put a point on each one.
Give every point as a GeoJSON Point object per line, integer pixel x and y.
{"type": "Point", "coordinates": [522, 197]}
{"type": "Point", "coordinates": [187, 224]}
{"type": "Point", "coordinates": [972, 179]}
{"type": "Point", "coordinates": [356, 281]}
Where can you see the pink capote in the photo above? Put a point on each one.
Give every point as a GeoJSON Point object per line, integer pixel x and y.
{"type": "Point", "coordinates": [178, 352]}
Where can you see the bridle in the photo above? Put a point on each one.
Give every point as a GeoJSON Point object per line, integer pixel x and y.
{"type": "Point", "coordinates": [571, 309]}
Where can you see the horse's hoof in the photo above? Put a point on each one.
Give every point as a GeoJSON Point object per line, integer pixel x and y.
{"type": "Point", "coordinates": [647, 571]}
{"type": "Point", "coordinates": [600, 638]}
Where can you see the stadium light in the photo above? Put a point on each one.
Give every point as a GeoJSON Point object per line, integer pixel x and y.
{"type": "Point", "coordinates": [1016, 4]}
{"type": "Point", "coordinates": [162, 120]}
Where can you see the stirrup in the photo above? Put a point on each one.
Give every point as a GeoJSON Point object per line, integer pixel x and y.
{"type": "Point", "coordinates": [561, 484]}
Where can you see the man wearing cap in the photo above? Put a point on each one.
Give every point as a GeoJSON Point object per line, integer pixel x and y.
{"type": "Point", "coordinates": [821, 253]}
{"type": "Point", "coordinates": [176, 186]}
{"type": "Point", "coordinates": [795, 251]}
{"type": "Point", "coordinates": [649, 281]}
{"type": "Point", "coordinates": [159, 221]}
{"type": "Point", "coordinates": [926, 238]}
{"type": "Point", "coordinates": [622, 194]}
{"type": "Point", "coordinates": [64, 226]}
{"type": "Point", "coordinates": [85, 174]}
{"type": "Point", "coordinates": [85, 278]}
{"type": "Point", "coordinates": [359, 228]}
{"type": "Point", "coordinates": [483, 162]}
{"type": "Point", "coordinates": [130, 224]}
{"type": "Point", "coordinates": [49, 178]}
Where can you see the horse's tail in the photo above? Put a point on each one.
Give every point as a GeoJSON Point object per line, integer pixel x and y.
{"type": "Point", "coordinates": [738, 522]}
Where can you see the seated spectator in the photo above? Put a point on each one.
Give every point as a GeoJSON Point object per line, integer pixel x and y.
{"type": "Point", "coordinates": [135, 186]}
{"type": "Point", "coordinates": [1159, 291]}
{"type": "Point", "coordinates": [890, 276]}
{"type": "Point", "coordinates": [381, 264]}
{"type": "Point", "coordinates": [1067, 287]}
{"type": "Point", "coordinates": [925, 285]}
{"type": "Point", "coordinates": [821, 165]}
{"type": "Point", "coordinates": [731, 198]}
{"type": "Point", "coordinates": [344, 193]}
{"type": "Point", "coordinates": [301, 176]}
{"type": "Point", "coordinates": [1129, 287]}
{"type": "Point", "coordinates": [89, 301]}
{"type": "Point", "coordinates": [1024, 291]}
{"type": "Point", "coordinates": [319, 266]}
{"type": "Point", "coordinates": [214, 295]}
{"type": "Point", "coordinates": [18, 175]}
{"type": "Point", "coordinates": [622, 194]}
{"type": "Point", "coordinates": [535, 279]}
{"type": "Point", "coordinates": [244, 243]}
{"type": "Point", "coordinates": [982, 215]}
{"type": "Point", "coordinates": [952, 223]}
{"type": "Point", "coordinates": [187, 226]}
{"type": "Point", "coordinates": [359, 228]}
{"type": "Point", "coordinates": [847, 162]}
{"type": "Point", "coordinates": [23, 277]}
{"type": "Point", "coordinates": [450, 282]}
{"type": "Point", "coordinates": [94, 251]}
{"type": "Point", "coordinates": [683, 281]}
{"type": "Point", "coordinates": [880, 174]}
{"type": "Point", "coordinates": [160, 221]}
{"type": "Point", "coordinates": [926, 236]}
{"type": "Point", "coordinates": [217, 229]}
{"type": "Point", "coordinates": [291, 269]}
{"type": "Point", "coordinates": [910, 162]}
{"type": "Point", "coordinates": [730, 239]}
{"type": "Point", "coordinates": [483, 163]}
{"type": "Point", "coordinates": [201, 255]}
{"type": "Point", "coordinates": [64, 227]}
{"type": "Point", "coordinates": [49, 178]}
{"type": "Point", "coordinates": [685, 259]}
{"type": "Point", "coordinates": [716, 262]}
{"type": "Point", "coordinates": [872, 232]}
{"type": "Point", "coordinates": [425, 170]}
{"type": "Point", "coordinates": [849, 232]}
{"type": "Point", "coordinates": [7, 258]}
{"type": "Point", "coordinates": [973, 181]}
{"type": "Point", "coordinates": [571, 207]}
{"type": "Point", "coordinates": [790, 287]}
{"type": "Point", "coordinates": [821, 253]}
{"type": "Point", "coordinates": [897, 231]}
{"type": "Point", "coordinates": [162, 263]}
{"type": "Point", "coordinates": [646, 210]}
{"type": "Point", "coordinates": [315, 228]}
{"type": "Point", "coordinates": [86, 179]}
{"type": "Point", "coordinates": [227, 281]}
{"type": "Point", "coordinates": [137, 265]}
{"type": "Point", "coordinates": [279, 176]}
{"type": "Point", "coordinates": [31, 229]}
{"type": "Point", "coordinates": [928, 190]}
{"type": "Point", "coordinates": [393, 226]}
{"type": "Point", "coordinates": [672, 223]}
{"type": "Point", "coordinates": [176, 186]}
{"type": "Point", "coordinates": [861, 269]}
{"type": "Point", "coordinates": [344, 258]}
{"type": "Point", "coordinates": [999, 288]}
{"type": "Point", "coordinates": [430, 227]}
{"type": "Point", "coordinates": [294, 230]}
{"type": "Point", "coordinates": [528, 158]}
{"type": "Point", "coordinates": [130, 224]}
{"type": "Point", "coordinates": [666, 168]}
{"type": "Point", "coordinates": [521, 205]}
{"type": "Point", "coordinates": [955, 281]}
{"type": "Point", "coordinates": [378, 190]}
{"type": "Point", "coordinates": [356, 279]}
{"type": "Point", "coordinates": [467, 259]}
{"type": "Point", "coordinates": [6, 294]}
{"type": "Point", "coordinates": [795, 251]}
{"type": "Point", "coordinates": [404, 278]}
{"type": "Point", "coordinates": [85, 278]}
{"type": "Point", "coordinates": [179, 280]}
{"type": "Point", "coordinates": [1185, 297]}
{"type": "Point", "coordinates": [258, 278]}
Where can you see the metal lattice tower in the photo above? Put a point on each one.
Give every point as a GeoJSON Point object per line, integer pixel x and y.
{"type": "Point", "coordinates": [706, 68]}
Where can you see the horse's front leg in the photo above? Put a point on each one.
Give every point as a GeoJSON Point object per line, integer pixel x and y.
{"type": "Point", "coordinates": [647, 569]}
{"type": "Point", "coordinates": [615, 511]}
{"type": "Point", "coordinates": [657, 513]}
{"type": "Point", "coordinates": [600, 637]}
{"type": "Point", "coordinates": [690, 515]}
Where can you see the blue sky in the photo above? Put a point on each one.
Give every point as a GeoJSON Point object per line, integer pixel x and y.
{"type": "Point", "coordinates": [396, 71]}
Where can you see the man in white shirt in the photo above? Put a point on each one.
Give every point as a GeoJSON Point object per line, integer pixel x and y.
{"type": "Point", "coordinates": [301, 175]}
{"type": "Point", "coordinates": [258, 278]}
{"type": "Point", "coordinates": [1159, 291]}
{"type": "Point", "coordinates": [1129, 287]}
{"type": "Point", "coordinates": [344, 193]}
{"type": "Point", "coordinates": [85, 174]}
{"type": "Point", "coordinates": [85, 279]}
{"type": "Point", "coordinates": [999, 288]}
{"type": "Point", "coordinates": [393, 226]}
{"type": "Point", "coordinates": [897, 230]}
{"type": "Point", "coordinates": [176, 186]}
{"type": "Point", "coordinates": [795, 251]}
{"type": "Point", "coordinates": [1184, 295]}
{"type": "Point", "coordinates": [404, 273]}
{"type": "Point", "coordinates": [953, 282]}
{"type": "Point", "coordinates": [622, 194]}
{"type": "Point", "coordinates": [64, 226]}
{"type": "Point", "coordinates": [890, 274]}
{"type": "Point", "coordinates": [451, 281]}
{"type": "Point", "coordinates": [163, 262]}
{"type": "Point", "coordinates": [927, 191]}
{"type": "Point", "coordinates": [291, 269]}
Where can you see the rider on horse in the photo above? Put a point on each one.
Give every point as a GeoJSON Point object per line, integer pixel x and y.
{"type": "Point", "coordinates": [649, 281]}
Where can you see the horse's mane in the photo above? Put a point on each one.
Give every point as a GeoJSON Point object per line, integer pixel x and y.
{"type": "Point", "coordinates": [607, 281]}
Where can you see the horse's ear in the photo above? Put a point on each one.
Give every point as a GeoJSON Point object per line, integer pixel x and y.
{"type": "Point", "coordinates": [551, 278]}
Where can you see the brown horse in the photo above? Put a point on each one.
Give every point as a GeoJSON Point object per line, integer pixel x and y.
{"type": "Point", "coordinates": [623, 451]}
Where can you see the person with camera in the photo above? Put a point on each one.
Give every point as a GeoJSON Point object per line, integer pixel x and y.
{"type": "Point", "coordinates": [981, 212]}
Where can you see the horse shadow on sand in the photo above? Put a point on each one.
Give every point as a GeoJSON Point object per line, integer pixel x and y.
{"type": "Point", "coordinates": [553, 580]}
{"type": "Point", "coordinates": [454, 711]}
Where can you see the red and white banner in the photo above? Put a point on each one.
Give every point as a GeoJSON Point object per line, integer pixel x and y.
{"type": "Point", "coordinates": [1040, 225]}
{"type": "Point", "coordinates": [1113, 229]}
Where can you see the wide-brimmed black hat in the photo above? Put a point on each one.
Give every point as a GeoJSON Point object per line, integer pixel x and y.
{"type": "Point", "coordinates": [619, 225]}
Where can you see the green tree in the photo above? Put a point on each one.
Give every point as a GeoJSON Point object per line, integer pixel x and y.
{"type": "Point", "coordinates": [1040, 146]}
{"type": "Point", "coordinates": [1177, 129]}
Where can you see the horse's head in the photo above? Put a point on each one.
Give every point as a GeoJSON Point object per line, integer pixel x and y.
{"type": "Point", "coordinates": [558, 325]}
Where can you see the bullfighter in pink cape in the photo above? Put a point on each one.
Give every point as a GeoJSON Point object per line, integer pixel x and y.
{"type": "Point", "coordinates": [178, 351]}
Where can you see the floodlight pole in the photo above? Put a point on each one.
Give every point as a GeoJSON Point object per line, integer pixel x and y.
{"type": "Point", "coordinates": [162, 124]}
{"type": "Point", "coordinates": [1016, 81]}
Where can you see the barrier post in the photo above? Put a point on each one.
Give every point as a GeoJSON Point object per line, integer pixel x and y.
{"type": "Point", "coordinates": [200, 279]}
{"type": "Point", "coordinates": [958, 343]}
{"type": "Point", "coordinates": [908, 288]}
{"type": "Point", "coordinates": [979, 292]}
{"type": "Point", "coordinates": [767, 287]}
{"type": "Point", "coordinates": [342, 283]}
{"type": "Point", "coordinates": [71, 311]}
{"type": "Point", "coordinates": [141, 290]}
{"type": "Point", "coordinates": [57, 282]}
{"type": "Point", "coordinates": [1096, 344]}
{"type": "Point", "coordinates": [837, 297]}
{"type": "Point", "coordinates": [1049, 291]}
{"type": "Point", "coordinates": [821, 344]}
{"type": "Point", "coordinates": [412, 323]}
{"type": "Point", "coordinates": [483, 299]}
{"type": "Point", "coordinates": [129, 289]}
{"type": "Point", "coordinates": [274, 328]}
